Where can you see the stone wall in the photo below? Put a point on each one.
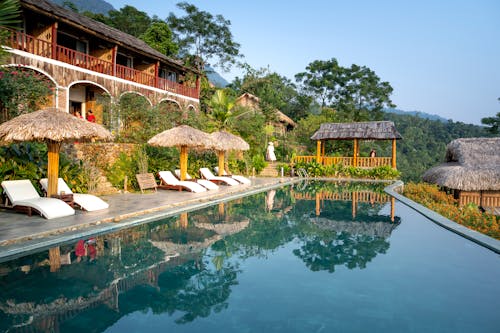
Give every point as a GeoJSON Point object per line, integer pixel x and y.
{"type": "Point", "coordinates": [100, 155]}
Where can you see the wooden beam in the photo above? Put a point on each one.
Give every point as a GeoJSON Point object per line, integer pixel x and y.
{"type": "Point", "coordinates": [394, 153]}
{"type": "Point", "coordinates": [355, 153]}
{"type": "Point", "coordinates": [318, 151]}
{"type": "Point", "coordinates": [53, 167]}
{"type": "Point", "coordinates": [183, 162]}
{"type": "Point", "coordinates": [220, 155]}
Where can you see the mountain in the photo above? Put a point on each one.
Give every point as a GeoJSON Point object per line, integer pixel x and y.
{"type": "Point", "coordinates": [94, 6]}
{"type": "Point", "coordinates": [215, 78]}
{"type": "Point", "coordinates": [417, 114]}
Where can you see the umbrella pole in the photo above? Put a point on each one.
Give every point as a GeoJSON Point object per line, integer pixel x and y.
{"type": "Point", "coordinates": [53, 167]}
{"type": "Point", "coordinates": [183, 162]}
{"type": "Point", "coordinates": [220, 154]}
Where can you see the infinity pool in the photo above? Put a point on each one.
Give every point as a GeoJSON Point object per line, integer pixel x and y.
{"type": "Point", "coordinates": [317, 257]}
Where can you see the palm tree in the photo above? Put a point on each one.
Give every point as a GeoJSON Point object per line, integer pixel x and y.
{"type": "Point", "coordinates": [9, 13]}
{"type": "Point", "coordinates": [221, 107]}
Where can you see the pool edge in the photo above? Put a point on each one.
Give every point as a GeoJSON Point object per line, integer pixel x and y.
{"type": "Point", "coordinates": [472, 235]}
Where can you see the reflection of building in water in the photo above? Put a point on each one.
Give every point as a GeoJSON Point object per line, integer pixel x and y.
{"type": "Point", "coordinates": [355, 197]}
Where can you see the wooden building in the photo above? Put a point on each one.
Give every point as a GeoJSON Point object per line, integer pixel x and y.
{"type": "Point", "coordinates": [84, 59]}
{"type": "Point", "coordinates": [471, 171]}
{"type": "Point", "coordinates": [371, 130]}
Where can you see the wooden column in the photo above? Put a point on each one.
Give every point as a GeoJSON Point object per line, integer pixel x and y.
{"type": "Point", "coordinates": [53, 167]}
{"type": "Point", "coordinates": [183, 162]}
{"type": "Point", "coordinates": [220, 155]}
{"type": "Point", "coordinates": [54, 259]}
{"type": "Point", "coordinates": [394, 153]}
{"type": "Point", "coordinates": [355, 154]}
{"type": "Point", "coordinates": [318, 151]}
{"type": "Point", "coordinates": [54, 41]}
{"type": "Point", "coordinates": [354, 204]}
{"type": "Point", "coordinates": [393, 203]}
{"type": "Point", "coordinates": [318, 204]}
{"type": "Point", "coordinates": [183, 220]}
{"type": "Point", "coordinates": [323, 144]}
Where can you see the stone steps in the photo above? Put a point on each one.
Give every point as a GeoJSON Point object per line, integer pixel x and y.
{"type": "Point", "coordinates": [270, 170]}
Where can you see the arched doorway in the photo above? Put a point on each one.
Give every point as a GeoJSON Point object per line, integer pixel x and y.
{"type": "Point", "coordinates": [90, 101]}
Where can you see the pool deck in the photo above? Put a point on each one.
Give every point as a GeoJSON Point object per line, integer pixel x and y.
{"type": "Point", "coordinates": [22, 235]}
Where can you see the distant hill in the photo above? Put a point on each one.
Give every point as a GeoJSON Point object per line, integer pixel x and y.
{"type": "Point", "coordinates": [417, 114]}
{"type": "Point", "coordinates": [94, 6]}
{"type": "Point", "coordinates": [215, 78]}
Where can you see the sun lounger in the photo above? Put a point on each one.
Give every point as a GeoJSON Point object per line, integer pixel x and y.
{"type": "Point", "coordinates": [85, 201]}
{"type": "Point", "coordinates": [241, 179]}
{"type": "Point", "coordinates": [168, 181]}
{"type": "Point", "coordinates": [203, 182]}
{"type": "Point", "coordinates": [208, 175]}
{"type": "Point", "coordinates": [24, 197]}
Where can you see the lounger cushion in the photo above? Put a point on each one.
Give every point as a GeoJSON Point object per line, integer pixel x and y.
{"type": "Point", "coordinates": [241, 179]}
{"type": "Point", "coordinates": [88, 202]}
{"type": "Point", "coordinates": [207, 174]}
{"type": "Point", "coordinates": [23, 193]}
{"type": "Point", "coordinates": [203, 182]}
{"type": "Point", "coordinates": [170, 179]}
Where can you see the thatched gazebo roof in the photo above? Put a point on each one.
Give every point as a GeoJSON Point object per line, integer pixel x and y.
{"type": "Point", "coordinates": [183, 136]}
{"type": "Point", "coordinates": [472, 164]}
{"type": "Point", "coordinates": [370, 130]}
{"type": "Point", "coordinates": [227, 141]}
{"type": "Point", "coordinates": [51, 124]}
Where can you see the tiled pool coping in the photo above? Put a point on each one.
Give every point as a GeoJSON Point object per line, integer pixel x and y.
{"type": "Point", "coordinates": [477, 237]}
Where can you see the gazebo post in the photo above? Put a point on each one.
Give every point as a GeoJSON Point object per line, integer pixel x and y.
{"type": "Point", "coordinates": [53, 167]}
{"type": "Point", "coordinates": [183, 162]}
{"type": "Point", "coordinates": [355, 154]}
{"type": "Point", "coordinates": [323, 144]}
{"type": "Point", "coordinates": [220, 155]}
{"type": "Point", "coordinates": [393, 154]}
{"type": "Point", "coordinates": [318, 151]}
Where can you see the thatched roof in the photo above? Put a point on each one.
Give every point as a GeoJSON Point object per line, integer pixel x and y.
{"type": "Point", "coordinates": [373, 229]}
{"type": "Point", "coordinates": [51, 124]}
{"type": "Point", "coordinates": [283, 118]}
{"type": "Point", "coordinates": [183, 135]}
{"type": "Point", "coordinates": [252, 101]}
{"type": "Point", "coordinates": [227, 141]}
{"type": "Point", "coordinates": [472, 164]}
{"type": "Point", "coordinates": [370, 130]}
{"type": "Point", "coordinates": [97, 28]}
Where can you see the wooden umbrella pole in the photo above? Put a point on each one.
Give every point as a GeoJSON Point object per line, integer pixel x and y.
{"type": "Point", "coordinates": [53, 167]}
{"type": "Point", "coordinates": [220, 155]}
{"type": "Point", "coordinates": [183, 162]}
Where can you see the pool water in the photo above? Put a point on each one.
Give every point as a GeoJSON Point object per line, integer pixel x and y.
{"type": "Point", "coordinates": [316, 257]}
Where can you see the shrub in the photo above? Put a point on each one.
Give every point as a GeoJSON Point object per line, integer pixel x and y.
{"type": "Point", "coordinates": [258, 163]}
{"type": "Point", "coordinates": [439, 201]}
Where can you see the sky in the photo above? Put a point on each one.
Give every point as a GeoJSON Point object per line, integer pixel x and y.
{"type": "Point", "coordinates": [440, 56]}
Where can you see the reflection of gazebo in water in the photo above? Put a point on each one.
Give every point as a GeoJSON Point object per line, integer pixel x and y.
{"type": "Point", "coordinates": [372, 130]}
{"type": "Point", "coordinates": [354, 196]}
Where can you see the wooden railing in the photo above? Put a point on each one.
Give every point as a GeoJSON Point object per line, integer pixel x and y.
{"type": "Point", "coordinates": [362, 162]}
{"type": "Point", "coordinates": [361, 196]}
{"type": "Point", "coordinates": [24, 42]}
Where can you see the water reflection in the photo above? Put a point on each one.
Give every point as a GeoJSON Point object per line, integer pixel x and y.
{"type": "Point", "coordinates": [186, 266]}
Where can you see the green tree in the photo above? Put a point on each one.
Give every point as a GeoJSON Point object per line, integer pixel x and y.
{"type": "Point", "coordinates": [493, 123]}
{"type": "Point", "coordinates": [70, 5]}
{"type": "Point", "coordinates": [204, 36]}
{"type": "Point", "coordinates": [220, 109]}
{"type": "Point", "coordinates": [130, 20]}
{"type": "Point", "coordinates": [356, 92]}
{"type": "Point", "coordinates": [22, 91]}
{"type": "Point", "coordinates": [159, 37]}
{"type": "Point", "coordinates": [10, 13]}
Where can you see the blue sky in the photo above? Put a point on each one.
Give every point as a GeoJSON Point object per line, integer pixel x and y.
{"type": "Point", "coordinates": [441, 57]}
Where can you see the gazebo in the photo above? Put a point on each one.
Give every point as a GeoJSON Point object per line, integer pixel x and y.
{"type": "Point", "coordinates": [471, 170]}
{"type": "Point", "coordinates": [371, 130]}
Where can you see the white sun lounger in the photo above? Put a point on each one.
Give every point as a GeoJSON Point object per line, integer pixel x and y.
{"type": "Point", "coordinates": [203, 182]}
{"type": "Point", "coordinates": [207, 174]}
{"type": "Point", "coordinates": [241, 179]}
{"type": "Point", "coordinates": [22, 194]}
{"type": "Point", "coordinates": [168, 181]}
{"type": "Point", "coordinates": [87, 202]}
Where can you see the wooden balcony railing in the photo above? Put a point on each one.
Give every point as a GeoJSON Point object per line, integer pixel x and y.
{"type": "Point", "coordinates": [21, 41]}
{"type": "Point", "coordinates": [362, 162]}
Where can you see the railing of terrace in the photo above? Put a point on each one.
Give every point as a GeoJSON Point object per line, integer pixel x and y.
{"type": "Point", "coordinates": [24, 42]}
{"type": "Point", "coordinates": [362, 162]}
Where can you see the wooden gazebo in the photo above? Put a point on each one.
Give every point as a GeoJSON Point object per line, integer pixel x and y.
{"type": "Point", "coordinates": [371, 130]}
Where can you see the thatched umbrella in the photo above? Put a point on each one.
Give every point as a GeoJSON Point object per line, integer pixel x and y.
{"type": "Point", "coordinates": [52, 126]}
{"type": "Point", "coordinates": [184, 137]}
{"type": "Point", "coordinates": [225, 142]}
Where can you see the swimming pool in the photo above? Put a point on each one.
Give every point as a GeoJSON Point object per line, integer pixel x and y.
{"type": "Point", "coordinates": [320, 257]}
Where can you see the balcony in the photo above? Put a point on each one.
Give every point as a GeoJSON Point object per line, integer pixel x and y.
{"type": "Point", "coordinates": [24, 42]}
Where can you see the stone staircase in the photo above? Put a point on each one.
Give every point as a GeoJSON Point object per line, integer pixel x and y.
{"type": "Point", "coordinates": [270, 170]}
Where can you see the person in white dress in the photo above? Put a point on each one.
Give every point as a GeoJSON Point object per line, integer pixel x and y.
{"type": "Point", "coordinates": [270, 152]}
